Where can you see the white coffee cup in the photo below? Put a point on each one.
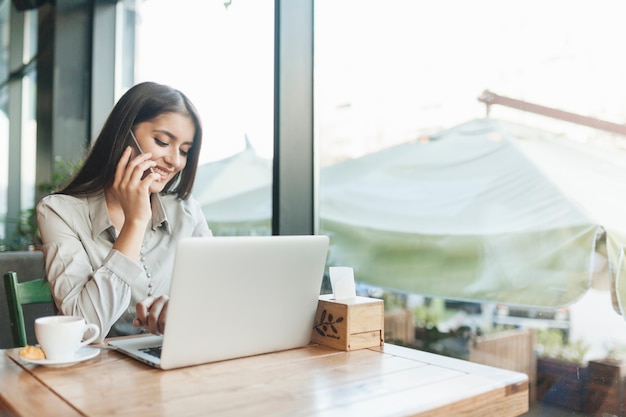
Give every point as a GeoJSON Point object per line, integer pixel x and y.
{"type": "Point", "coordinates": [60, 337]}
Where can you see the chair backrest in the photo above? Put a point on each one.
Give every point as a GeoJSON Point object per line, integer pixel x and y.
{"type": "Point", "coordinates": [19, 294]}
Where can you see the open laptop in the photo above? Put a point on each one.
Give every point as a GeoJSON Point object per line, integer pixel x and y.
{"type": "Point", "coordinates": [236, 296]}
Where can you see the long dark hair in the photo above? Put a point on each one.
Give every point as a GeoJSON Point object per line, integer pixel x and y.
{"type": "Point", "coordinates": [142, 102]}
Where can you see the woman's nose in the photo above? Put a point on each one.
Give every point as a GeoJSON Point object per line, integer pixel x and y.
{"type": "Point", "coordinates": [173, 157]}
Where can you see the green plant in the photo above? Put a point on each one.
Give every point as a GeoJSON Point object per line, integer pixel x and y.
{"type": "Point", "coordinates": [429, 314]}
{"type": "Point", "coordinates": [61, 174]}
{"type": "Point", "coordinates": [552, 343]}
{"type": "Point", "coordinates": [26, 235]}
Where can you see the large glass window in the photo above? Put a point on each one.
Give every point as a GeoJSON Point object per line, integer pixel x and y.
{"type": "Point", "coordinates": [18, 50]}
{"type": "Point", "coordinates": [221, 55]}
{"type": "Point", "coordinates": [513, 215]}
{"type": "Point", "coordinates": [4, 113]}
{"type": "Point", "coordinates": [29, 103]}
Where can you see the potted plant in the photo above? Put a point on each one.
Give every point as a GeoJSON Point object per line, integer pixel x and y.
{"type": "Point", "coordinates": [562, 373]}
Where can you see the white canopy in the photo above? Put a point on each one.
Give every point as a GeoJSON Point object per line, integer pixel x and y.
{"type": "Point", "coordinates": [464, 215]}
{"type": "Point", "coordinates": [235, 194]}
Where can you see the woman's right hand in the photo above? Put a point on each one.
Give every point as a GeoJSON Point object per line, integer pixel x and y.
{"type": "Point", "coordinates": [128, 201]}
{"type": "Point", "coordinates": [131, 186]}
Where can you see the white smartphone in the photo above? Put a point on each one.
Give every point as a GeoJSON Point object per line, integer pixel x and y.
{"type": "Point", "coordinates": [136, 142]}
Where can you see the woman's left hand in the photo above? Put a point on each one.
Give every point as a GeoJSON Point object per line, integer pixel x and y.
{"type": "Point", "coordinates": [151, 314]}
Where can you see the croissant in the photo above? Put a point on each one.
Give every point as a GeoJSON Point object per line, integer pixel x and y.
{"type": "Point", "coordinates": [32, 352]}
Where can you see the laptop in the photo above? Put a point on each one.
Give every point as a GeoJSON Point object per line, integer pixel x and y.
{"type": "Point", "coordinates": [236, 296]}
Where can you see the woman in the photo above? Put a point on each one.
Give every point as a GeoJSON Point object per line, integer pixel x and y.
{"type": "Point", "coordinates": [109, 236]}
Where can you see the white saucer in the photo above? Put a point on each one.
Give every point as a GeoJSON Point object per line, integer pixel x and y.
{"type": "Point", "coordinates": [82, 354]}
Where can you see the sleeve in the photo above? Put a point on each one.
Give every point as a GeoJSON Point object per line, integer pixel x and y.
{"type": "Point", "coordinates": [201, 227]}
{"type": "Point", "coordinates": [101, 293]}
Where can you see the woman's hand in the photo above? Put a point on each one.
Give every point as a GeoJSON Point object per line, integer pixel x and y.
{"type": "Point", "coordinates": [131, 186]}
{"type": "Point", "coordinates": [151, 314]}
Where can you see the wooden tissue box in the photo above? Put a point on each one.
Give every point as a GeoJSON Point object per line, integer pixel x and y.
{"type": "Point", "coordinates": [351, 324]}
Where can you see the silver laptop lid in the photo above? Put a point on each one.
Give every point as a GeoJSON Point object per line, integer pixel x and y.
{"type": "Point", "coordinates": [239, 296]}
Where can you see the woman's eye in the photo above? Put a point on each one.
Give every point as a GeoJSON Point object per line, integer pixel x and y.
{"type": "Point", "coordinates": [162, 144]}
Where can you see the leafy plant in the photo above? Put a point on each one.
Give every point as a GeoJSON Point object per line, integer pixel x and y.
{"type": "Point", "coordinates": [61, 174]}
{"type": "Point", "coordinates": [429, 314]}
{"type": "Point", "coordinates": [26, 235]}
{"type": "Point", "coordinates": [552, 343]}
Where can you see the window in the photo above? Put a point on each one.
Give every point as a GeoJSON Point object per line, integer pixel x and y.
{"type": "Point", "coordinates": [399, 121]}
{"type": "Point", "coordinates": [4, 113]}
{"type": "Point", "coordinates": [17, 122]}
{"type": "Point", "coordinates": [422, 193]}
{"type": "Point", "coordinates": [220, 54]}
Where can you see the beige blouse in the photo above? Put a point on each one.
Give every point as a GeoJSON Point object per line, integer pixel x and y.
{"type": "Point", "coordinates": [89, 278]}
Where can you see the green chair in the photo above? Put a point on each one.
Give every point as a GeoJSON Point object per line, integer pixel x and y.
{"type": "Point", "coordinates": [19, 294]}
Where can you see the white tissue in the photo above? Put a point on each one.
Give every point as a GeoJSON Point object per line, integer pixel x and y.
{"type": "Point", "coordinates": [342, 282]}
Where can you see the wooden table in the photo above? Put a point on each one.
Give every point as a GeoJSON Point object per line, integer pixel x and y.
{"type": "Point", "coordinates": [311, 381]}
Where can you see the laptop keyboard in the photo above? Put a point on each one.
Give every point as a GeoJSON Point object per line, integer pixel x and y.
{"type": "Point", "coordinates": [152, 351]}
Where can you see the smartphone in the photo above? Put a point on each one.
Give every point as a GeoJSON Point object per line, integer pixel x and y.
{"type": "Point", "coordinates": [138, 147]}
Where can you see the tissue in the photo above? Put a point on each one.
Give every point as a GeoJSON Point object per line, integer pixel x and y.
{"type": "Point", "coordinates": [342, 282]}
